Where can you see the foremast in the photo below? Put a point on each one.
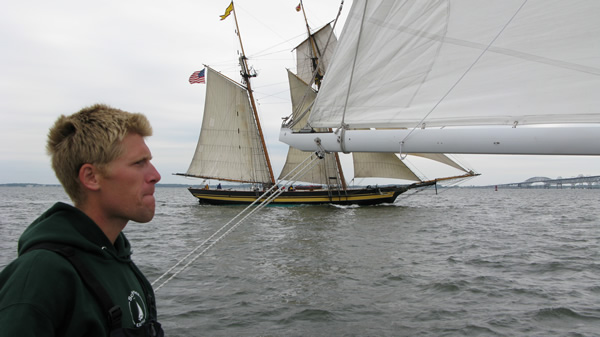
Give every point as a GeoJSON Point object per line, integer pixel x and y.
{"type": "Point", "coordinates": [246, 75]}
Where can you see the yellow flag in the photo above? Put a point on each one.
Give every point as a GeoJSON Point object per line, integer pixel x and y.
{"type": "Point", "coordinates": [227, 11]}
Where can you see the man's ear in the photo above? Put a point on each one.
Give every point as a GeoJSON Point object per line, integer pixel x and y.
{"type": "Point", "coordinates": [89, 176]}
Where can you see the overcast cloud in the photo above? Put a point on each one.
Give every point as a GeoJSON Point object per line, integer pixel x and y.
{"type": "Point", "coordinates": [63, 55]}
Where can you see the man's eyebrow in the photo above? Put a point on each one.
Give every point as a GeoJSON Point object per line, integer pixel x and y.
{"type": "Point", "coordinates": [144, 157]}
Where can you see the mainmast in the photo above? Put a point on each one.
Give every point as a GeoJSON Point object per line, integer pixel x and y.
{"type": "Point", "coordinates": [318, 77]}
{"type": "Point", "coordinates": [315, 50]}
{"type": "Point", "coordinates": [246, 75]}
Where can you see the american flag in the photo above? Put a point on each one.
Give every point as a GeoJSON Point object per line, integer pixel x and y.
{"type": "Point", "coordinates": [197, 77]}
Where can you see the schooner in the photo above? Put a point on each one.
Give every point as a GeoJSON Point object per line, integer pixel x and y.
{"type": "Point", "coordinates": [231, 145]}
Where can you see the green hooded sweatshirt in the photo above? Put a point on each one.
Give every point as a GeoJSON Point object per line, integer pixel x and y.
{"type": "Point", "coordinates": [41, 293]}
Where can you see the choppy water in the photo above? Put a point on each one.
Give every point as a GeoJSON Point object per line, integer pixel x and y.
{"type": "Point", "coordinates": [467, 262]}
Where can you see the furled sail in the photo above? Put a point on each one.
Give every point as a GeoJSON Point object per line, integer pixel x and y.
{"type": "Point", "coordinates": [456, 63]}
{"type": "Point", "coordinates": [306, 60]}
{"type": "Point", "coordinates": [302, 97]}
{"type": "Point", "coordinates": [229, 147]}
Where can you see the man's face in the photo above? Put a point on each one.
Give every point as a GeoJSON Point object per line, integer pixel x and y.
{"type": "Point", "coordinates": [128, 184]}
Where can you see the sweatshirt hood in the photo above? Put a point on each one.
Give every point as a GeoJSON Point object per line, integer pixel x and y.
{"type": "Point", "coordinates": [67, 225]}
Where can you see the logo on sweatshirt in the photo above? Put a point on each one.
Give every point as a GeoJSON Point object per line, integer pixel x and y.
{"type": "Point", "coordinates": [137, 308]}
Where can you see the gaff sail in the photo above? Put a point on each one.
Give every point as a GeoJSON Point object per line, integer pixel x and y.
{"type": "Point", "coordinates": [229, 147]}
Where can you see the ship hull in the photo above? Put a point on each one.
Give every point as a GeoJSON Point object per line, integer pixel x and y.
{"type": "Point", "coordinates": [363, 196]}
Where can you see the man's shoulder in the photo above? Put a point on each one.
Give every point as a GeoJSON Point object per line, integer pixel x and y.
{"type": "Point", "coordinates": [37, 267]}
{"type": "Point", "coordinates": [39, 290]}
{"type": "Point", "coordinates": [40, 279]}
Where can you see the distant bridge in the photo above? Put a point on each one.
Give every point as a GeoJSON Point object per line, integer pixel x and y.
{"type": "Point", "coordinates": [543, 182]}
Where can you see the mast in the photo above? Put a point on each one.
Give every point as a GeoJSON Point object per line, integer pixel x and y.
{"type": "Point", "coordinates": [246, 75]}
{"type": "Point", "coordinates": [318, 77]}
{"type": "Point", "coordinates": [316, 53]}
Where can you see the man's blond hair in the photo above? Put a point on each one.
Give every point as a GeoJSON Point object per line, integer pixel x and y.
{"type": "Point", "coordinates": [93, 136]}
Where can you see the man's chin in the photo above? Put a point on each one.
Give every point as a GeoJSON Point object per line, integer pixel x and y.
{"type": "Point", "coordinates": [143, 218]}
{"type": "Point", "coordinates": [147, 213]}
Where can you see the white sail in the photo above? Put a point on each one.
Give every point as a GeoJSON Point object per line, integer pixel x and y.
{"type": "Point", "coordinates": [471, 66]}
{"type": "Point", "coordinates": [306, 60]}
{"type": "Point", "coordinates": [366, 165]}
{"type": "Point", "coordinates": [302, 97]}
{"type": "Point", "coordinates": [229, 146]}
{"type": "Point", "coordinates": [460, 63]}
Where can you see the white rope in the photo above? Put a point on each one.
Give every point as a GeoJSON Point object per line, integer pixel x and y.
{"type": "Point", "coordinates": [362, 23]}
{"type": "Point", "coordinates": [304, 166]}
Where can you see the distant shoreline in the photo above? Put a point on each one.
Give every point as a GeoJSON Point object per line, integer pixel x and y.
{"type": "Point", "coordinates": [58, 185]}
{"type": "Point", "coordinates": [499, 186]}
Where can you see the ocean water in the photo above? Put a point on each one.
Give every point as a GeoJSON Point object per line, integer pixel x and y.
{"type": "Point", "coordinates": [465, 262]}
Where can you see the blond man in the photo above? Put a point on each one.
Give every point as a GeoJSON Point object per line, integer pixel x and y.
{"type": "Point", "coordinates": [74, 275]}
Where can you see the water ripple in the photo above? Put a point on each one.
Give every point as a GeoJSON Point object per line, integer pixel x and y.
{"type": "Point", "coordinates": [468, 262]}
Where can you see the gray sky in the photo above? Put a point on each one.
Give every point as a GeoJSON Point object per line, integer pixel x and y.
{"type": "Point", "coordinates": [63, 55]}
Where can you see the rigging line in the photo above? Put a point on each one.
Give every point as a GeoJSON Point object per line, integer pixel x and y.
{"type": "Point", "coordinates": [412, 192]}
{"type": "Point", "coordinates": [440, 190]}
{"type": "Point", "coordinates": [461, 161]}
{"type": "Point", "coordinates": [413, 168]}
{"type": "Point", "coordinates": [314, 74]}
{"type": "Point", "coordinates": [319, 64]}
{"type": "Point", "coordinates": [299, 106]}
{"type": "Point", "coordinates": [261, 22]}
{"type": "Point", "coordinates": [468, 70]}
{"type": "Point", "coordinates": [302, 163]}
{"type": "Point", "coordinates": [312, 163]}
{"type": "Point", "coordinates": [271, 197]}
{"type": "Point", "coordinates": [275, 95]}
{"type": "Point", "coordinates": [301, 115]}
{"type": "Point", "coordinates": [444, 189]}
{"type": "Point", "coordinates": [262, 54]}
{"type": "Point", "coordinates": [270, 85]}
{"type": "Point", "coordinates": [267, 51]}
{"type": "Point", "coordinates": [362, 23]}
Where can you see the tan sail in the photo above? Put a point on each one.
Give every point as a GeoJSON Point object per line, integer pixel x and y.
{"type": "Point", "coordinates": [441, 158]}
{"type": "Point", "coordinates": [381, 165]}
{"type": "Point", "coordinates": [302, 98]}
{"type": "Point", "coordinates": [306, 60]}
{"type": "Point", "coordinates": [388, 165]}
{"type": "Point", "coordinates": [229, 147]}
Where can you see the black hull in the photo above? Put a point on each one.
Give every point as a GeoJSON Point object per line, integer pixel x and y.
{"type": "Point", "coordinates": [364, 196]}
